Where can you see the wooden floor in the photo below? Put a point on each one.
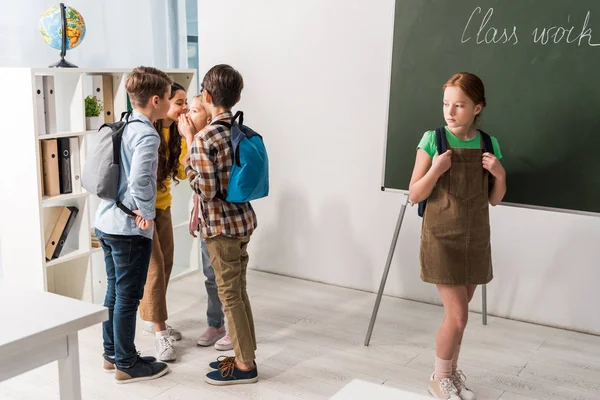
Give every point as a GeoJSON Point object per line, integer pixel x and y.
{"type": "Point", "coordinates": [311, 345]}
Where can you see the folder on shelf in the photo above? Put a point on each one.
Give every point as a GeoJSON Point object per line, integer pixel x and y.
{"type": "Point", "coordinates": [73, 211]}
{"type": "Point", "coordinates": [56, 229]}
{"type": "Point", "coordinates": [98, 92]}
{"type": "Point", "coordinates": [75, 165]}
{"type": "Point", "coordinates": [51, 215]}
{"type": "Point", "coordinates": [41, 166]}
{"type": "Point", "coordinates": [49, 104]}
{"type": "Point", "coordinates": [40, 115]}
{"type": "Point", "coordinates": [64, 165]}
{"type": "Point", "coordinates": [108, 102]}
{"type": "Point", "coordinates": [50, 167]}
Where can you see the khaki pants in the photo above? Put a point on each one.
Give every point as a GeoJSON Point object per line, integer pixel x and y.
{"type": "Point", "coordinates": [153, 306]}
{"type": "Point", "coordinates": [229, 259]}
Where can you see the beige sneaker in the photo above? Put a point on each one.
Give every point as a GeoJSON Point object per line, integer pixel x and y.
{"type": "Point", "coordinates": [443, 389]}
{"type": "Point", "coordinates": [211, 335]}
{"type": "Point", "coordinates": [459, 379]}
{"type": "Point", "coordinates": [224, 344]}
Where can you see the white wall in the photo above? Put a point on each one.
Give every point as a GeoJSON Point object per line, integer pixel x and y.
{"type": "Point", "coordinates": [120, 34]}
{"type": "Point", "coordinates": [316, 85]}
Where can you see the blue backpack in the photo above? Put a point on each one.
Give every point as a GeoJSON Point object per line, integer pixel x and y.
{"type": "Point", "coordinates": [249, 177]}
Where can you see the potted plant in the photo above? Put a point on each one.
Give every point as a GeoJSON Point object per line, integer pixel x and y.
{"type": "Point", "coordinates": [93, 110]}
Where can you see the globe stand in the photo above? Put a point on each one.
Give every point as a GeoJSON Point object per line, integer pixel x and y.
{"type": "Point", "coordinates": [63, 51]}
{"type": "Point", "coordinates": [63, 64]}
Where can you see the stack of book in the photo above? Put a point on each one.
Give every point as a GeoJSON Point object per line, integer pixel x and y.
{"type": "Point", "coordinates": [95, 241]}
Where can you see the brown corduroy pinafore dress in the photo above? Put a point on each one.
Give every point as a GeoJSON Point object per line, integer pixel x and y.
{"type": "Point", "coordinates": [455, 237]}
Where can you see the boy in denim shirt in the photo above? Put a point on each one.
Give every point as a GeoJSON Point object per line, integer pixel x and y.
{"type": "Point", "coordinates": [127, 241]}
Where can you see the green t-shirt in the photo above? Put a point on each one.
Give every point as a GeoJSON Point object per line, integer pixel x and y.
{"type": "Point", "coordinates": [427, 143]}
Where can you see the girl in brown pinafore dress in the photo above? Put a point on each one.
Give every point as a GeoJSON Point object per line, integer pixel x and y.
{"type": "Point", "coordinates": [455, 241]}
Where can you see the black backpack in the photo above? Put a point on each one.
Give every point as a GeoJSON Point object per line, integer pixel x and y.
{"type": "Point", "coordinates": [442, 146]}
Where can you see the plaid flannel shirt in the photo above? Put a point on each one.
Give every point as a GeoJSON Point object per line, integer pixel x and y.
{"type": "Point", "coordinates": [211, 158]}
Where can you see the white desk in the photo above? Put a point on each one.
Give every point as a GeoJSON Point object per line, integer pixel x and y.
{"type": "Point", "coordinates": [358, 389]}
{"type": "Point", "coordinates": [38, 328]}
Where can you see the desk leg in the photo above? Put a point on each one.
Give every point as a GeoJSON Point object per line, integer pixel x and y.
{"type": "Point", "coordinates": [68, 371]}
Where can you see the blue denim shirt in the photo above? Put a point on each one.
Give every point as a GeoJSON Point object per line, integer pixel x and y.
{"type": "Point", "coordinates": [137, 186]}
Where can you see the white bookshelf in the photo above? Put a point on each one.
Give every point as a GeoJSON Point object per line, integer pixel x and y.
{"type": "Point", "coordinates": [25, 213]}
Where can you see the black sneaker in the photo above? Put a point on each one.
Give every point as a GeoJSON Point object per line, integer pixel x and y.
{"type": "Point", "coordinates": [109, 362]}
{"type": "Point", "coordinates": [229, 374]}
{"type": "Point", "coordinates": [141, 371]}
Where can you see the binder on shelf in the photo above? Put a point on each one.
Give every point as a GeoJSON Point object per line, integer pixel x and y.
{"type": "Point", "coordinates": [108, 102]}
{"type": "Point", "coordinates": [73, 211]}
{"type": "Point", "coordinates": [64, 165]}
{"type": "Point", "coordinates": [41, 166]}
{"type": "Point", "coordinates": [98, 92]}
{"type": "Point", "coordinates": [75, 165]}
{"type": "Point", "coordinates": [50, 167]}
{"type": "Point", "coordinates": [40, 114]}
{"type": "Point", "coordinates": [49, 104]}
{"type": "Point", "coordinates": [56, 230]}
{"type": "Point", "coordinates": [51, 215]}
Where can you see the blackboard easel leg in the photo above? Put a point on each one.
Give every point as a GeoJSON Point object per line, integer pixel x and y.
{"type": "Point", "coordinates": [386, 271]}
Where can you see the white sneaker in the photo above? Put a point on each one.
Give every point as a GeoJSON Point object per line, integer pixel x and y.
{"type": "Point", "coordinates": [459, 379]}
{"type": "Point", "coordinates": [443, 389]}
{"type": "Point", "coordinates": [173, 333]}
{"type": "Point", "coordinates": [164, 348]}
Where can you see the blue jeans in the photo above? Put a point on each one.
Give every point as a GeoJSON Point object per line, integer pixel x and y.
{"type": "Point", "coordinates": [214, 311]}
{"type": "Point", "coordinates": [127, 259]}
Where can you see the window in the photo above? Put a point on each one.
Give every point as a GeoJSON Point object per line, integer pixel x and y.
{"type": "Point", "coordinates": [191, 12]}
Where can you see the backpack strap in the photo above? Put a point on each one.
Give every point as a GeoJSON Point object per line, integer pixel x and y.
{"type": "Point", "coordinates": [440, 140]}
{"type": "Point", "coordinates": [442, 146]}
{"type": "Point", "coordinates": [222, 123]}
{"type": "Point", "coordinates": [117, 153]}
{"type": "Point", "coordinates": [240, 115]}
{"type": "Point", "coordinates": [488, 147]}
{"type": "Point", "coordinates": [125, 209]}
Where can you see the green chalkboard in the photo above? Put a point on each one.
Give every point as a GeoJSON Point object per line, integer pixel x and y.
{"type": "Point", "coordinates": [540, 62]}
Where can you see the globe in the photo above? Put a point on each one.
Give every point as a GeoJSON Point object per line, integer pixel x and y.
{"type": "Point", "coordinates": [51, 28]}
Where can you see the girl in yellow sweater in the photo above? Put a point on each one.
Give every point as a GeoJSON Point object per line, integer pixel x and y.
{"type": "Point", "coordinates": [172, 150]}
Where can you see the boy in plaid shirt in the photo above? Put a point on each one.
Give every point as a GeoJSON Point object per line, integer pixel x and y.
{"type": "Point", "coordinates": [226, 227]}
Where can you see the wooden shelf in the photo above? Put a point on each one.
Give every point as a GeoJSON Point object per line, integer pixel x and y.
{"type": "Point", "coordinates": [68, 255]}
{"type": "Point", "coordinates": [54, 200]}
{"type": "Point", "coordinates": [64, 134]}
{"type": "Point", "coordinates": [79, 271]}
